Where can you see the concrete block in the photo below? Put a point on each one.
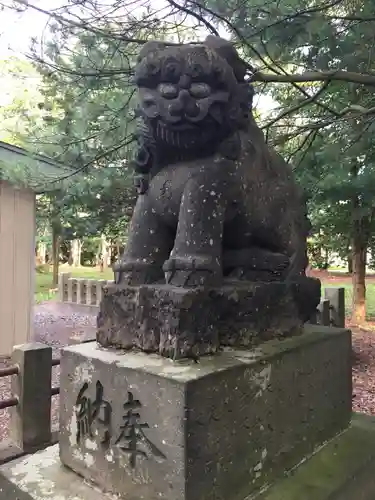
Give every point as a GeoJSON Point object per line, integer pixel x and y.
{"type": "Point", "coordinates": [30, 420]}
{"type": "Point", "coordinates": [41, 476]}
{"type": "Point", "coordinates": [72, 290]}
{"type": "Point", "coordinates": [147, 427]}
{"type": "Point", "coordinates": [336, 297]}
{"type": "Point", "coordinates": [81, 291]}
{"type": "Point", "coordinates": [90, 296]}
{"type": "Point", "coordinates": [179, 322]}
{"type": "Point", "coordinates": [100, 284]}
{"type": "Point", "coordinates": [324, 312]}
{"type": "Point", "coordinates": [63, 286]}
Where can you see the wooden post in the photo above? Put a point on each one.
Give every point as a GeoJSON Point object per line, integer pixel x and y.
{"type": "Point", "coordinates": [336, 297]}
{"type": "Point", "coordinates": [30, 420]}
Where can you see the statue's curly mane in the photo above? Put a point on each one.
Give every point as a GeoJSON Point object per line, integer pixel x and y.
{"type": "Point", "coordinates": [209, 123]}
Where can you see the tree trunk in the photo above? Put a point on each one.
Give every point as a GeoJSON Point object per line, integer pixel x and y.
{"type": "Point", "coordinates": [42, 252]}
{"type": "Point", "coordinates": [55, 255]}
{"type": "Point", "coordinates": [360, 238]}
{"type": "Point", "coordinates": [359, 282]}
{"type": "Point", "coordinates": [350, 263]}
{"type": "Point", "coordinates": [75, 253]}
{"type": "Point", "coordinates": [104, 252]}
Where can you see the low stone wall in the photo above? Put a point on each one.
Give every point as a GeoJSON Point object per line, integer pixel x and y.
{"type": "Point", "coordinates": [80, 291]}
{"type": "Point", "coordinates": [89, 292]}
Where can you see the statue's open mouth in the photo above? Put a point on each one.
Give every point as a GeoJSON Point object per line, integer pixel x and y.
{"type": "Point", "coordinates": [184, 123]}
{"type": "Point", "coordinates": [180, 126]}
{"type": "Point", "coordinates": [185, 134]}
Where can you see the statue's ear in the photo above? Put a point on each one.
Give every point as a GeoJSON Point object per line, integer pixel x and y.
{"type": "Point", "coordinates": [150, 47]}
{"type": "Point", "coordinates": [227, 51]}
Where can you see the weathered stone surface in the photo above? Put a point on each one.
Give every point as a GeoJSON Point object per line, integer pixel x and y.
{"type": "Point", "coordinates": [41, 476]}
{"type": "Point", "coordinates": [343, 469]}
{"type": "Point", "coordinates": [215, 202]}
{"type": "Point", "coordinates": [218, 429]}
{"type": "Point", "coordinates": [189, 322]}
{"type": "Point", "coordinates": [336, 297]}
{"type": "Point", "coordinates": [31, 419]}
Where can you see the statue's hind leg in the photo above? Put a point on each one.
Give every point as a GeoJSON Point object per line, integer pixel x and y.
{"type": "Point", "coordinates": [255, 264]}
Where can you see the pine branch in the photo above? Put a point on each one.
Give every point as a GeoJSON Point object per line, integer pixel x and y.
{"type": "Point", "coordinates": [299, 106]}
{"type": "Point", "coordinates": [317, 76]}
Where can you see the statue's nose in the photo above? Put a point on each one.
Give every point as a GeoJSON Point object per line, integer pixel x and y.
{"type": "Point", "coordinates": [176, 108]}
{"type": "Point", "coordinates": [189, 105]}
{"type": "Point", "coordinates": [185, 104]}
{"type": "Point", "coordinates": [184, 97]}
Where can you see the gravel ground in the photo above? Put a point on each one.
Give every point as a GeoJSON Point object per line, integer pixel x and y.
{"type": "Point", "coordinates": [364, 371]}
{"type": "Point", "coordinates": [55, 323]}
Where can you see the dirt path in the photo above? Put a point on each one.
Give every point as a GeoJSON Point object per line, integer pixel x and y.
{"type": "Point", "coordinates": [55, 323]}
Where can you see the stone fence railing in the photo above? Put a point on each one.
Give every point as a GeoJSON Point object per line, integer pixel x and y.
{"type": "Point", "coordinates": [331, 310]}
{"type": "Point", "coordinates": [82, 291]}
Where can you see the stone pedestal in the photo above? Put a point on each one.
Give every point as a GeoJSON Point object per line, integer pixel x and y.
{"type": "Point", "coordinates": [146, 427]}
{"type": "Point", "coordinates": [189, 322]}
{"type": "Point", "coordinates": [343, 469]}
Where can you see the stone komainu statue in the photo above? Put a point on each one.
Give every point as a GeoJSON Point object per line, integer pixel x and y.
{"type": "Point", "coordinates": [216, 202]}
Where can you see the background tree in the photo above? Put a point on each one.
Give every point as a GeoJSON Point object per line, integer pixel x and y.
{"type": "Point", "coordinates": [313, 59]}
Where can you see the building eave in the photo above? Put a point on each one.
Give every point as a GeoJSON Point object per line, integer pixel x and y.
{"type": "Point", "coordinates": [35, 171]}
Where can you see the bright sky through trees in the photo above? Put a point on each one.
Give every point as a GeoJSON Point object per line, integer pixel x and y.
{"type": "Point", "coordinates": [17, 29]}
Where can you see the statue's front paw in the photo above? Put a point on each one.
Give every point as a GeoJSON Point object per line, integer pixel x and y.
{"type": "Point", "coordinates": [136, 272]}
{"type": "Point", "coordinates": [193, 271]}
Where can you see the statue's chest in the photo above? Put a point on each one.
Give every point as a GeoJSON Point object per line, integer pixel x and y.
{"type": "Point", "coordinates": [167, 187]}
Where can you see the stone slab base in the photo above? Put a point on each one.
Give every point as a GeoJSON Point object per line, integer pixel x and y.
{"type": "Point", "coordinates": [41, 476]}
{"type": "Point", "coordinates": [144, 426]}
{"type": "Point", "coordinates": [343, 469]}
{"type": "Point", "coordinates": [190, 322]}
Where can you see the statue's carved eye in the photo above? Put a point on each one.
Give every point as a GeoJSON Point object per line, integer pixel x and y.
{"type": "Point", "coordinates": [168, 90]}
{"type": "Point", "coordinates": [171, 70]}
{"type": "Point", "coordinates": [152, 68]}
{"type": "Point", "coordinates": [146, 73]}
{"type": "Point", "coordinates": [200, 90]}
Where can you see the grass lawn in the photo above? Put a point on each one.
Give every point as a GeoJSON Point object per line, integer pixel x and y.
{"type": "Point", "coordinates": [44, 289]}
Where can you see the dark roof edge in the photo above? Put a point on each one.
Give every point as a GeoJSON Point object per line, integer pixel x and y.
{"type": "Point", "coordinates": [38, 157]}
